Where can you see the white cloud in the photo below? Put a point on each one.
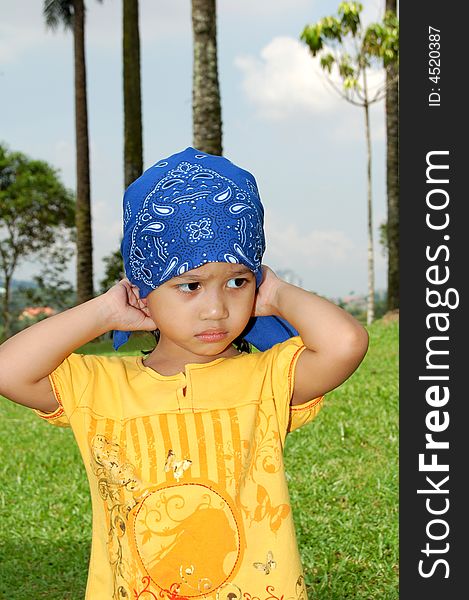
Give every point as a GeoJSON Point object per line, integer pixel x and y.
{"type": "Point", "coordinates": [285, 80]}
{"type": "Point", "coordinates": [327, 260]}
{"type": "Point", "coordinates": [157, 21]}
{"type": "Point", "coordinates": [107, 226]}
{"type": "Point", "coordinates": [287, 245]}
{"type": "Point", "coordinates": [23, 26]}
{"type": "Point", "coordinates": [351, 124]}
{"type": "Point", "coordinates": [16, 42]}
{"type": "Point", "coordinates": [260, 8]}
{"type": "Point", "coordinates": [64, 159]}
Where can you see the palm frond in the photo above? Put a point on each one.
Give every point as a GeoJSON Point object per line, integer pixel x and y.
{"type": "Point", "coordinates": [58, 12]}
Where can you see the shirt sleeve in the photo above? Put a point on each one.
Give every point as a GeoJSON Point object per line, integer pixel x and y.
{"type": "Point", "coordinates": [284, 360]}
{"type": "Point", "coordinates": [69, 382]}
{"type": "Point", "coordinates": [301, 414]}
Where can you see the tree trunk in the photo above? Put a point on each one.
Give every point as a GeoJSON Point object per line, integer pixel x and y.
{"type": "Point", "coordinates": [206, 105]}
{"type": "Point", "coordinates": [133, 161]}
{"type": "Point", "coordinates": [392, 177]}
{"type": "Point", "coordinates": [83, 203]}
{"type": "Point", "coordinates": [370, 312]}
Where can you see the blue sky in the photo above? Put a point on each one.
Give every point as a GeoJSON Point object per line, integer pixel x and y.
{"type": "Point", "coordinates": [305, 146]}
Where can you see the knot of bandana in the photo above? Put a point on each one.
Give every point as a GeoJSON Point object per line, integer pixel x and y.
{"type": "Point", "coordinates": [190, 209]}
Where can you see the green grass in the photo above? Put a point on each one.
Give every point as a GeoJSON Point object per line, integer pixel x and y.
{"type": "Point", "coordinates": [342, 471]}
{"type": "Point", "coordinates": [343, 476]}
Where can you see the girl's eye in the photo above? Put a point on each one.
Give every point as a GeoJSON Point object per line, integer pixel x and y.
{"type": "Point", "coordinates": [236, 282]}
{"type": "Point", "coordinates": [193, 286]}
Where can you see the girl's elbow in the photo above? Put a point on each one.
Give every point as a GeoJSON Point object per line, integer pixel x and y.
{"type": "Point", "coordinates": [355, 343]}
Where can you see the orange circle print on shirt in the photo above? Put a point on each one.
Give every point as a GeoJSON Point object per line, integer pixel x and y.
{"type": "Point", "coordinates": [187, 537]}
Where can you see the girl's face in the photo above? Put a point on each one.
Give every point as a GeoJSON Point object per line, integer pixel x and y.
{"type": "Point", "coordinates": [204, 310]}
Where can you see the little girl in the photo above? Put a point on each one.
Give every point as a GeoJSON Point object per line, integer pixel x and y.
{"type": "Point", "coordinates": [184, 448]}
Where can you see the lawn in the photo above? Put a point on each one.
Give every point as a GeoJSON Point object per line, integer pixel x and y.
{"type": "Point", "coordinates": [342, 472]}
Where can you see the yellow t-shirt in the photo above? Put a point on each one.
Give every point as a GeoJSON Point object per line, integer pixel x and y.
{"type": "Point", "coordinates": [186, 472]}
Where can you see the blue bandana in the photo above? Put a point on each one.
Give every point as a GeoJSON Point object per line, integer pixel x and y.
{"type": "Point", "coordinates": [187, 210]}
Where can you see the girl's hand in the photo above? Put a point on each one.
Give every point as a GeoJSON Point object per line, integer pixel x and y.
{"type": "Point", "coordinates": [128, 312]}
{"type": "Point", "coordinates": [266, 296]}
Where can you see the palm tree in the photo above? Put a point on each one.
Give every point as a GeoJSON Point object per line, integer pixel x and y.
{"type": "Point", "coordinates": [392, 178]}
{"type": "Point", "coordinates": [206, 105]}
{"type": "Point", "coordinates": [133, 160]}
{"type": "Point", "coordinates": [71, 13]}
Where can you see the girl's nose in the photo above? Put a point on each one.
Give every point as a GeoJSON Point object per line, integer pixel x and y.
{"type": "Point", "coordinates": [214, 306]}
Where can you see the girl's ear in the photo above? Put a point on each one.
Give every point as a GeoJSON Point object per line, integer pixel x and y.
{"type": "Point", "coordinates": [143, 306]}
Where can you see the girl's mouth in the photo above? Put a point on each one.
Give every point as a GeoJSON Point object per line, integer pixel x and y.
{"type": "Point", "coordinates": [212, 335]}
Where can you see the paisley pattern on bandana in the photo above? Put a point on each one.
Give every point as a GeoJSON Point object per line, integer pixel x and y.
{"type": "Point", "coordinates": [192, 215]}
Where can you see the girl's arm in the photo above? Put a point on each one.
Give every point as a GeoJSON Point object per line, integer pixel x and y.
{"type": "Point", "coordinates": [28, 358]}
{"type": "Point", "coordinates": [335, 342]}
